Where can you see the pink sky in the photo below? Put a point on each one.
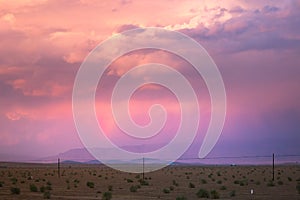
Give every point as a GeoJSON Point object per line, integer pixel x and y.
{"type": "Point", "coordinates": [255, 44]}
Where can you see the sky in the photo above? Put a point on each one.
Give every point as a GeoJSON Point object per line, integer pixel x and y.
{"type": "Point", "coordinates": [255, 44]}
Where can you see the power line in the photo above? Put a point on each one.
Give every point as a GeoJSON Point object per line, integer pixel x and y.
{"type": "Point", "coordinates": [237, 157]}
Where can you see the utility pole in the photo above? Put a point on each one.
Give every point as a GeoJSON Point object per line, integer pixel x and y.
{"type": "Point", "coordinates": [58, 167]}
{"type": "Point", "coordinates": [273, 167]}
{"type": "Point", "coordinates": [143, 168]}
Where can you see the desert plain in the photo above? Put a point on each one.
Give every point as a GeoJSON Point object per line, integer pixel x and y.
{"type": "Point", "coordinates": [82, 181]}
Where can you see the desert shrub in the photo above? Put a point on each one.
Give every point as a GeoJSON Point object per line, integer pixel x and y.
{"type": "Point", "coordinates": [219, 182]}
{"type": "Point", "coordinates": [33, 188]}
{"type": "Point", "coordinates": [133, 188]}
{"type": "Point", "coordinates": [49, 183]}
{"type": "Point", "coordinates": [214, 194]}
{"type": "Point", "coordinates": [290, 179]}
{"type": "Point", "coordinates": [257, 183]}
{"type": "Point", "coordinates": [191, 185]}
{"type": "Point", "coordinates": [223, 187]}
{"type": "Point", "coordinates": [166, 190]}
{"type": "Point", "coordinates": [106, 196]}
{"type": "Point", "coordinates": [90, 184]}
{"type": "Point", "coordinates": [270, 184]}
{"type": "Point", "coordinates": [110, 188]}
{"type": "Point", "coordinates": [175, 183]}
{"type": "Point", "coordinates": [203, 181]}
{"type": "Point", "coordinates": [14, 180]}
{"type": "Point", "coordinates": [218, 174]}
{"type": "Point", "coordinates": [298, 187]}
{"type": "Point", "coordinates": [202, 193]}
{"type": "Point", "coordinates": [280, 183]}
{"type": "Point", "coordinates": [42, 189]}
{"type": "Point", "coordinates": [129, 180]}
{"type": "Point", "coordinates": [241, 183]}
{"type": "Point", "coordinates": [47, 195]}
{"type": "Point", "coordinates": [171, 188]}
{"type": "Point", "coordinates": [48, 187]}
{"type": "Point", "coordinates": [232, 193]}
{"type": "Point", "coordinates": [15, 190]}
{"type": "Point", "coordinates": [181, 198]}
{"type": "Point", "coordinates": [1, 184]}
{"type": "Point", "coordinates": [143, 182]}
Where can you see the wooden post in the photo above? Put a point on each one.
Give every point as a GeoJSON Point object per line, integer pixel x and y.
{"type": "Point", "coordinates": [273, 168]}
{"type": "Point", "coordinates": [58, 167]}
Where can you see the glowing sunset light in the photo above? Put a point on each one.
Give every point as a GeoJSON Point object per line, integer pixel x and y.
{"type": "Point", "coordinates": [254, 44]}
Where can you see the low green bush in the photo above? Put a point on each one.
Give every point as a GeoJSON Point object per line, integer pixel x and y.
{"type": "Point", "coordinates": [298, 187]}
{"type": "Point", "coordinates": [90, 184]}
{"type": "Point", "coordinates": [129, 180]}
{"type": "Point", "coordinates": [191, 185]}
{"type": "Point", "coordinates": [232, 193]}
{"type": "Point", "coordinates": [15, 190]}
{"type": "Point", "coordinates": [166, 190]}
{"type": "Point", "coordinates": [202, 193]}
{"type": "Point", "coordinates": [143, 182]}
{"type": "Point", "coordinates": [270, 184]}
{"type": "Point", "coordinates": [47, 195]}
{"type": "Point", "coordinates": [214, 194]}
{"type": "Point", "coordinates": [33, 188]}
{"type": "Point", "coordinates": [42, 189]}
{"type": "Point", "coordinates": [107, 196]}
{"type": "Point", "coordinates": [133, 188]}
{"type": "Point", "coordinates": [181, 198]}
{"type": "Point", "coordinates": [223, 187]}
{"type": "Point", "coordinates": [203, 181]}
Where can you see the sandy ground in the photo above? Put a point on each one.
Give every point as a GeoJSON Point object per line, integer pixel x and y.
{"type": "Point", "coordinates": [230, 182]}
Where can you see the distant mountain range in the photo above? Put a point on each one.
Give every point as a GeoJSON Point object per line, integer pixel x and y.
{"type": "Point", "coordinates": [73, 155]}
{"type": "Point", "coordinates": [82, 155]}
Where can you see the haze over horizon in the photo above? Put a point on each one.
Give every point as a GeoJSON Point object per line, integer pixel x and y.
{"type": "Point", "coordinates": [255, 44]}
